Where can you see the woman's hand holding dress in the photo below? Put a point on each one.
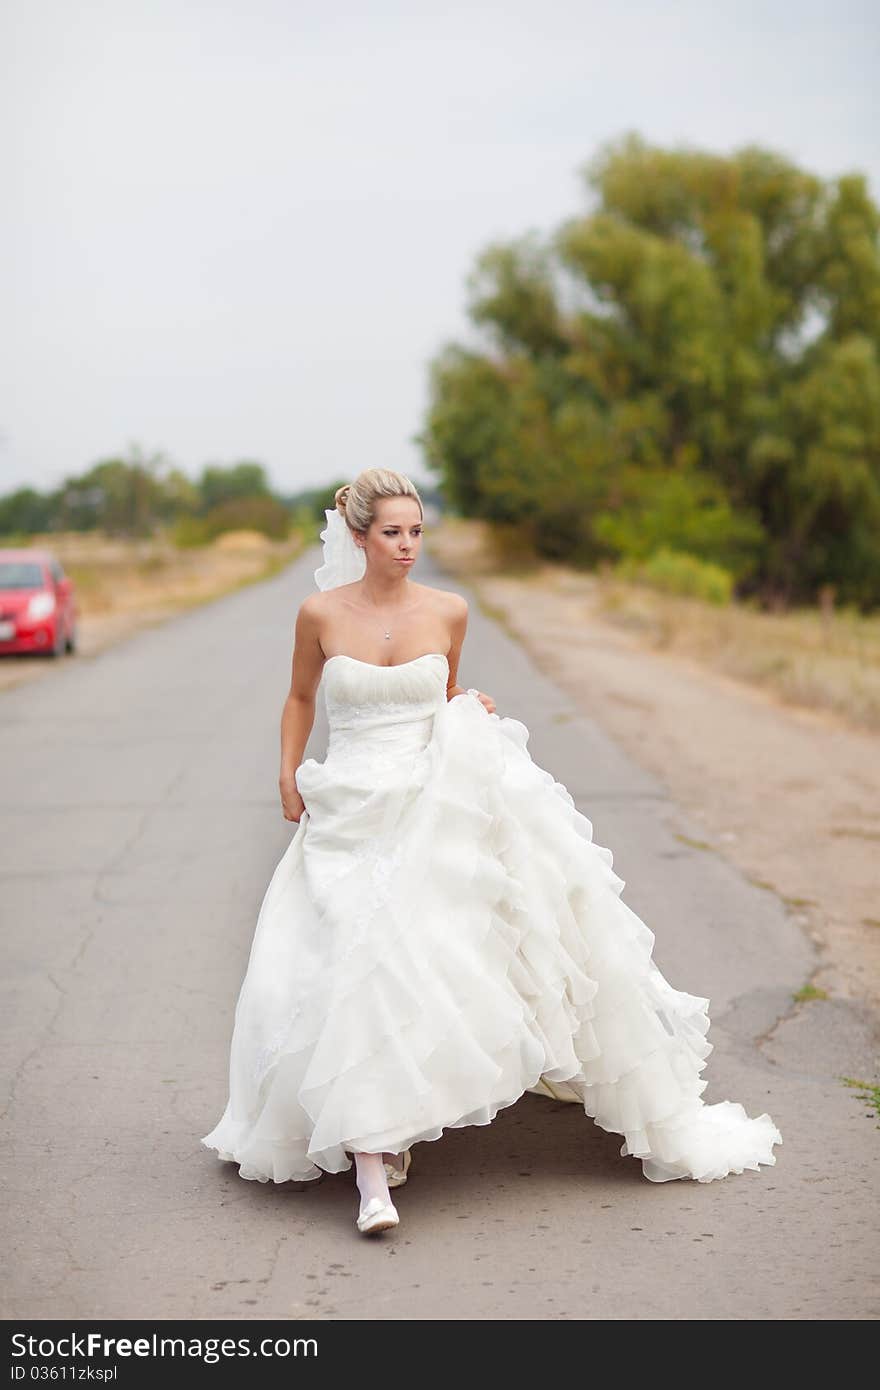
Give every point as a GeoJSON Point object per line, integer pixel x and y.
{"type": "Point", "coordinates": [292, 803]}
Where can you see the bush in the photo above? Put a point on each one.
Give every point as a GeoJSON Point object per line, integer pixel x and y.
{"type": "Point", "coordinates": [190, 531]}
{"type": "Point", "coordinates": [264, 514]}
{"type": "Point", "coordinates": [676, 572]}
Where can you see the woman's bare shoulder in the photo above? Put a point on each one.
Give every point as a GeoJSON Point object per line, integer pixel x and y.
{"type": "Point", "coordinates": [323, 601]}
{"type": "Point", "coordinates": [446, 600]}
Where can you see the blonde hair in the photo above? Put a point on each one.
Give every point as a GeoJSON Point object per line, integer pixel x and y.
{"type": "Point", "coordinates": [357, 501]}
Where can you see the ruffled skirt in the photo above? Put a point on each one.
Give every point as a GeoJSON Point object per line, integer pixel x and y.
{"type": "Point", "coordinates": [441, 936]}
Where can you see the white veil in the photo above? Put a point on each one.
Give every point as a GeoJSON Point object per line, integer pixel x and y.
{"type": "Point", "coordinates": [344, 561]}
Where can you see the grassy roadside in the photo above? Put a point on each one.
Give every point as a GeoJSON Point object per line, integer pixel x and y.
{"type": "Point", "coordinates": [821, 661]}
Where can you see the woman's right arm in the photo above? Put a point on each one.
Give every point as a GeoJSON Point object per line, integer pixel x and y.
{"type": "Point", "coordinates": [298, 714]}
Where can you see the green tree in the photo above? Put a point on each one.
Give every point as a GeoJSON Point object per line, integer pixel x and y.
{"type": "Point", "coordinates": [121, 496]}
{"type": "Point", "coordinates": [693, 362]}
{"type": "Point", "coordinates": [25, 510]}
{"type": "Point", "coordinates": [225, 484]}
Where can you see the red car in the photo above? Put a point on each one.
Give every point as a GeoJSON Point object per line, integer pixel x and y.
{"type": "Point", "coordinates": [37, 605]}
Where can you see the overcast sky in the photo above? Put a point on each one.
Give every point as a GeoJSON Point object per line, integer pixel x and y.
{"type": "Point", "coordinates": [241, 228]}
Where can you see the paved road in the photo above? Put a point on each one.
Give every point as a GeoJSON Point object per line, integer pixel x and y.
{"type": "Point", "coordinates": [140, 826]}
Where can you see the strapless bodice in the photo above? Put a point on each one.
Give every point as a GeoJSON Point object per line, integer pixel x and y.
{"type": "Point", "coordinates": [382, 721]}
{"type": "Point", "coordinates": [388, 706]}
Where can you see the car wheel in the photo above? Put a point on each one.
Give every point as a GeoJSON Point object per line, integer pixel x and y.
{"type": "Point", "coordinates": [59, 646]}
{"type": "Point", "coordinates": [71, 640]}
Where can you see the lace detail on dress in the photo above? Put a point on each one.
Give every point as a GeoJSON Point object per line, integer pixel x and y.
{"type": "Point", "coordinates": [385, 860]}
{"type": "Point", "coordinates": [375, 747]}
{"type": "Point", "coordinates": [267, 1056]}
{"type": "Point", "coordinates": [360, 718]}
{"type": "Point", "coordinates": [384, 855]}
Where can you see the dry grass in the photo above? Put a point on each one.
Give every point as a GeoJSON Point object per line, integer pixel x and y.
{"type": "Point", "coordinates": [133, 577]}
{"type": "Point", "coordinates": [114, 576]}
{"type": "Point", "coordinates": [807, 658]}
{"type": "Point", "coordinates": [829, 662]}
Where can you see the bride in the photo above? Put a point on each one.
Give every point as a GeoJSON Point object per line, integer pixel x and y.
{"type": "Point", "coordinates": [442, 933]}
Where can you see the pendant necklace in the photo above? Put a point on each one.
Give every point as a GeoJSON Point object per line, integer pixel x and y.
{"type": "Point", "coordinates": [384, 628]}
{"type": "Point", "coordinates": [387, 633]}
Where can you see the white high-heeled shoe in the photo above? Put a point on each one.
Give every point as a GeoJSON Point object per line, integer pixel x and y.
{"type": "Point", "coordinates": [397, 1176]}
{"type": "Point", "coordinates": [377, 1216]}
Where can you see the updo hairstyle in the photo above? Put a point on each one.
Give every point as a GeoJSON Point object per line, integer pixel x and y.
{"type": "Point", "coordinates": [357, 501]}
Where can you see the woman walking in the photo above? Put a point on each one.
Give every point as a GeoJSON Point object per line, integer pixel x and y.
{"type": "Point", "coordinates": [442, 933]}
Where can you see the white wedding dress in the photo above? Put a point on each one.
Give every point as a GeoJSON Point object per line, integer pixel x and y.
{"type": "Point", "coordinates": [442, 935]}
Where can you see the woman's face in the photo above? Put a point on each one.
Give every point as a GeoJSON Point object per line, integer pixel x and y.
{"type": "Point", "coordinates": [394, 538]}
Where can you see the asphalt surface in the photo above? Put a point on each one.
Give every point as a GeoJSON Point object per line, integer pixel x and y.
{"type": "Point", "coordinates": [139, 827]}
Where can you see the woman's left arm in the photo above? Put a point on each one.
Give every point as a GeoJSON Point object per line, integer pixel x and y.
{"type": "Point", "coordinates": [458, 625]}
